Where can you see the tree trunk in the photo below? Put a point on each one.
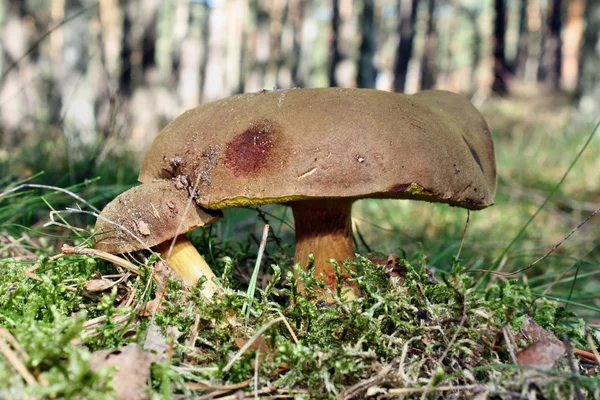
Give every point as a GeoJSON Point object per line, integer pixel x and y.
{"type": "Point", "coordinates": [549, 71]}
{"type": "Point", "coordinates": [518, 68]}
{"type": "Point", "coordinates": [428, 69]}
{"type": "Point", "coordinates": [500, 84]}
{"type": "Point", "coordinates": [407, 9]}
{"type": "Point", "coordinates": [77, 111]}
{"type": "Point", "coordinates": [367, 73]}
{"type": "Point", "coordinates": [215, 67]}
{"type": "Point", "coordinates": [572, 34]}
{"type": "Point", "coordinates": [589, 73]}
{"type": "Point", "coordinates": [335, 50]}
{"type": "Point", "coordinates": [297, 13]}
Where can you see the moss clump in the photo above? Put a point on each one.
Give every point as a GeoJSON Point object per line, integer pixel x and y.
{"type": "Point", "coordinates": [409, 334]}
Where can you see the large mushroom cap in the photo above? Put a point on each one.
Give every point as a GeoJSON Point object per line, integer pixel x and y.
{"type": "Point", "coordinates": [154, 212]}
{"type": "Point", "coordinates": [287, 145]}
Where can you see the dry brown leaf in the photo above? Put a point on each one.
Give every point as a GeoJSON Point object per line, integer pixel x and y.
{"type": "Point", "coordinates": [131, 378]}
{"type": "Point", "coordinates": [260, 344]}
{"type": "Point", "coordinates": [546, 348]}
{"type": "Point", "coordinates": [532, 330]}
{"type": "Point", "coordinates": [98, 285]}
{"type": "Point", "coordinates": [158, 344]}
{"type": "Point", "coordinates": [543, 353]}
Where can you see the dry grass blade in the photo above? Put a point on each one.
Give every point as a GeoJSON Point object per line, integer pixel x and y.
{"type": "Point", "coordinates": [356, 390]}
{"type": "Point", "coordinates": [289, 327]}
{"type": "Point", "coordinates": [13, 359]}
{"type": "Point", "coordinates": [66, 249]}
{"type": "Point", "coordinates": [223, 388]}
{"type": "Point", "coordinates": [552, 250]}
{"type": "Point", "coordinates": [567, 342]}
{"type": "Point", "coordinates": [464, 235]}
{"type": "Point", "coordinates": [249, 343]}
{"type": "Point", "coordinates": [590, 341]}
{"type": "Point", "coordinates": [402, 391]}
{"type": "Point", "coordinates": [5, 333]}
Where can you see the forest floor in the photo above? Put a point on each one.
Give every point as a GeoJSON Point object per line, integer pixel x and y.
{"type": "Point", "coordinates": [430, 324]}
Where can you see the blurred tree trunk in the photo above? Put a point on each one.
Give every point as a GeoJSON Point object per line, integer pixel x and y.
{"type": "Point", "coordinates": [77, 110]}
{"type": "Point", "coordinates": [13, 102]}
{"type": "Point", "coordinates": [572, 35]}
{"type": "Point", "coordinates": [109, 39]}
{"type": "Point", "coordinates": [428, 65]}
{"type": "Point", "coordinates": [523, 41]}
{"type": "Point", "coordinates": [214, 83]}
{"type": "Point", "coordinates": [367, 73]}
{"type": "Point", "coordinates": [335, 50]}
{"type": "Point", "coordinates": [237, 15]}
{"type": "Point", "coordinates": [589, 73]}
{"type": "Point", "coordinates": [193, 57]}
{"type": "Point", "coordinates": [125, 86]}
{"type": "Point", "coordinates": [407, 9]}
{"type": "Point", "coordinates": [500, 84]}
{"type": "Point", "coordinates": [138, 49]}
{"type": "Point", "coordinates": [296, 17]}
{"type": "Point", "coordinates": [276, 11]}
{"type": "Point", "coordinates": [549, 71]}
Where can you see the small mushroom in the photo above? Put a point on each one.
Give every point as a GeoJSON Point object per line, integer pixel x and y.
{"type": "Point", "coordinates": [319, 150]}
{"type": "Point", "coordinates": [154, 215]}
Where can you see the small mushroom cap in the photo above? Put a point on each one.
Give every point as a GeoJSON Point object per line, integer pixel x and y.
{"type": "Point", "coordinates": [152, 212]}
{"type": "Point", "coordinates": [288, 145]}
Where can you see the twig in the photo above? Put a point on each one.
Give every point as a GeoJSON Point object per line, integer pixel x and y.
{"type": "Point", "coordinates": [397, 391]}
{"type": "Point", "coordinates": [194, 332]}
{"type": "Point", "coordinates": [509, 343]}
{"type": "Point", "coordinates": [464, 235]}
{"type": "Point", "coordinates": [256, 375]}
{"type": "Point", "coordinates": [289, 327]}
{"type": "Point", "coordinates": [66, 249]}
{"type": "Point", "coordinates": [252, 285]}
{"type": "Point", "coordinates": [593, 346]}
{"type": "Point", "coordinates": [403, 359]}
{"type": "Point", "coordinates": [355, 390]}
{"type": "Point", "coordinates": [452, 341]}
{"type": "Point", "coordinates": [567, 343]}
{"type": "Point", "coordinates": [556, 246]}
{"type": "Point", "coordinates": [5, 333]}
{"type": "Point", "coordinates": [14, 361]}
{"type": "Point", "coordinates": [251, 341]}
{"type": "Point", "coordinates": [585, 354]}
{"type": "Point", "coordinates": [361, 237]}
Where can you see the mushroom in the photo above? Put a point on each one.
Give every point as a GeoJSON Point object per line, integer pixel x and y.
{"type": "Point", "coordinates": [157, 214]}
{"type": "Point", "coordinates": [319, 150]}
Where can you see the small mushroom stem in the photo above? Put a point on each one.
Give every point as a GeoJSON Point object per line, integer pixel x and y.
{"type": "Point", "coordinates": [188, 264]}
{"type": "Point", "coordinates": [324, 228]}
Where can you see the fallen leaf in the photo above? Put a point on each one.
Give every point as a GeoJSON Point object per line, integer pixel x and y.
{"type": "Point", "coordinates": [149, 306]}
{"type": "Point", "coordinates": [157, 343]}
{"type": "Point", "coordinates": [543, 353]}
{"type": "Point", "coordinates": [532, 330]}
{"type": "Point", "coordinates": [98, 285]}
{"type": "Point", "coordinates": [260, 344]}
{"type": "Point", "coordinates": [131, 378]}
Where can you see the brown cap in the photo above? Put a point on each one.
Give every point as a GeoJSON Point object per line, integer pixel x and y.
{"type": "Point", "coordinates": [152, 212]}
{"type": "Point", "coordinates": [287, 145]}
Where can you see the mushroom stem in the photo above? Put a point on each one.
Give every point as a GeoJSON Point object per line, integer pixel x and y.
{"type": "Point", "coordinates": [188, 264]}
{"type": "Point", "coordinates": [324, 228]}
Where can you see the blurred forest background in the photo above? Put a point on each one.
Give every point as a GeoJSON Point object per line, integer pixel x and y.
{"type": "Point", "coordinates": [122, 69]}
{"type": "Point", "coordinates": [86, 86]}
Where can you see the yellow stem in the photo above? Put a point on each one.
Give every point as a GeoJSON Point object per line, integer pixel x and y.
{"type": "Point", "coordinates": [188, 264]}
